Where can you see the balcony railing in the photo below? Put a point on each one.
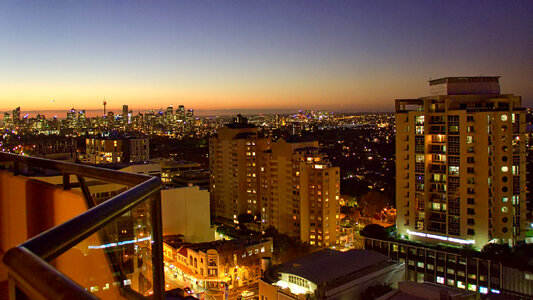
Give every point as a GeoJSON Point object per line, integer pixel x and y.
{"type": "Point", "coordinates": [33, 268]}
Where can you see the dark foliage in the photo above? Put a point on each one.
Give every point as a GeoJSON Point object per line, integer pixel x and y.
{"type": "Point", "coordinates": [286, 248]}
{"type": "Point", "coordinates": [375, 291]}
{"type": "Point", "coordinates": [374, 231]}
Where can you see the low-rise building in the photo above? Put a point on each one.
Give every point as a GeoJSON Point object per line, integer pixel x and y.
{"type": "Point", "coordinates": [329, 274]}
{"type": "Point", "coordinates": [426, 291]}
{"type": "Point", "coordinates": [108, 150]}
{"type": "Point", "coordinates": [213, 265]}
{"type": "Point", "coordinates": [172, 170]}
{"type": "Point", "coordinates": [456, 267]}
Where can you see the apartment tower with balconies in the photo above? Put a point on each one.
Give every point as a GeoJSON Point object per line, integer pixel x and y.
{"type": "Point", "coordinates": [300, 191]}
{"type": "Point", "coordinates": [461, 164]}
{"type": "Point", "coordinates": [234, 155]}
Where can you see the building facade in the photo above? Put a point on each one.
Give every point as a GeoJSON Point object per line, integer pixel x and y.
{"type": "Point", "coordinates": [300, 191]}
{"type": "Point", "coordinates": [234, 156]}
{"type": "Point", "coordinates": [460, 170]}
{"type": "Point", "coordinates": [234, 263]}
{"type": "Point", "coordinates": [456, 269]}
{"type": "Point", "coordinates": [117, 150]}
{"type": "Point", "coordinates": [329, 274]}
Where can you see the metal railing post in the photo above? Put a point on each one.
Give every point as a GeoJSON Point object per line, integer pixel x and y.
{"type": "Point", "coordinates": [157, 248]}
{"type": "Point", "coordinates": [31, 277]}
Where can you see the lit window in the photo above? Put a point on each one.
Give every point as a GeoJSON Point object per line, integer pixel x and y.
{"type": "Point", "coordinates": [440, 280]}
{"type": "Point", "coordinates": [450, 282]}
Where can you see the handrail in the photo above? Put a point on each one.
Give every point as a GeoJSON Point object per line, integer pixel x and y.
{"type": "Point", "coordinates": [55, 241]}
{"type": "Point", "coordinates": [24, 258]}
{"type": "Point", "coordinates": [39, 279]}
{"type": "Point", "coordinates": [109, 175]}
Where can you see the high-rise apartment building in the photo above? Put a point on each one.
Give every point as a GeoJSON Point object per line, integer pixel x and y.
{"type": "Point", "coordinates": [234, 156]}
{"type": "Point", "coordinates": [461, 164]}
{"type": "Point", "coordinates": [300, 191]}
{"type": "Point", "coordinates": [287, 184]}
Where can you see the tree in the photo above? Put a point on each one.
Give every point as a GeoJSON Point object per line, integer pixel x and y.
{"type": "Point", "coordinates": [494, 249]}
{"type": "Point", "coordinates": [286, 248]}
{"type": "Point", "coordinates": [372, 203]}
{"type": "Point", "coordinates": [374, 231]}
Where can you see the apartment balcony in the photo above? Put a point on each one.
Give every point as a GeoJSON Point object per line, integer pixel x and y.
{"type": "Point", "coordinates": [437, 130]}
{"type": "Point", "coordinates": [57, 242]}
{"type": "Point", "coordinates": [437, 168]}
{"type": "Point", "coordinates": [420, 149]}
{"type": "Point", "coordinates": [420, 167]}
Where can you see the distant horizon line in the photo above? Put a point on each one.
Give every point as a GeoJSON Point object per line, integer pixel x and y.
{"type": "Point", "coordinates": [197, 112]}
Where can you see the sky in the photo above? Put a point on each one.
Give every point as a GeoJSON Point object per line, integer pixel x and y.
{"type": "Point", "coordinates": [224, 55]}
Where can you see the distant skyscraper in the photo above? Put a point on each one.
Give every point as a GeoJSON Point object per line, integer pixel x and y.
{"type": "Point", "coordinates": [82, 119]}
{"type": "Point", "coordinates": [110, 119]}
{"type": "Point", "coordinates": [7, 120]}
{"type": "Point", "coordinates": [180, 112]}
{"type": "Point", "coordinates": [72, 118]}
{"type": "Point", "coordinates": [190, 116]}
{"type": "Point", "coordinates": [16, 116]}
{"type": "Point", "coordinates": [169, 115]}
{"type": "Point", "coordinates": [460, 163]}
{"type": "Point", "coordinates": [125, 114]}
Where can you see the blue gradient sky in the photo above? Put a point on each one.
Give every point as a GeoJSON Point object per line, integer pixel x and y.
{"type": "Point", "coordinates": [339, 55]}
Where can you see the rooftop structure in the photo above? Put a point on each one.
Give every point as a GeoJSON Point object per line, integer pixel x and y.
{"type": "Point", "coordinates": [330, 274]}
{"type": "Point", "coordinates": [478, 85]}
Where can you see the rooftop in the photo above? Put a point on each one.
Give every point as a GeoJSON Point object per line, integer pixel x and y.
{"type": "Point", "coordinates": [223, 243]}
{"type": "Point", "coordinates": [464, 79]}
{"type": "Point", "coordinates": [408, 290]}
{"type": "Point", "coordinates": [339, 264]}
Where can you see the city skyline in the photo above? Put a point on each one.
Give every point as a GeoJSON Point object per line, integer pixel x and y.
{"type": "Point", "coordinates": [340, 56]}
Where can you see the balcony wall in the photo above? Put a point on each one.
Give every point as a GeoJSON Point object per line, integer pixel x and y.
{"type": "Point", "coordinates": [29, 207]}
